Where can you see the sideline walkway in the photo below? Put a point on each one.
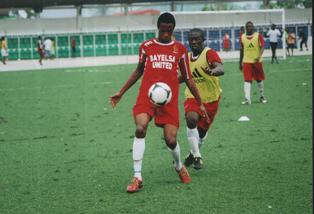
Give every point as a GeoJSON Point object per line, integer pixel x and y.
{"type": "Point", "coordinates": [21, 65]}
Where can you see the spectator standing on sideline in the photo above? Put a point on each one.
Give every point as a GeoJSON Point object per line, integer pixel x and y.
{"type": "Point", "coordinates": [303, 38]}
{"type": "Point", "coordinates": [291, 42]}
{"type": "Point", "coordinates": [285, 36]}
{"type": "Point", "coordinates": [48, 47]}
{"type": "Point", "coordinates": [226, 42]}
{"type": "Point", "coordinates": [73, 47]}
{"type": "Point", "coordinates": [4, 50]}
{"type": "Point", "coordinates": [53, 49]}
{"type": "Point", "coordinates": [40, 50]}
{"type": "Point", "coordinates": [273, 35]}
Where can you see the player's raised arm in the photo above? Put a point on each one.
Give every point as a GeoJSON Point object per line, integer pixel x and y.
{"type": "Point", "coordinates": [218, 69]}
{"type": "Point", "coordinates": [135, 75]}
{"type": "Point", "coordinates": [215, 65]}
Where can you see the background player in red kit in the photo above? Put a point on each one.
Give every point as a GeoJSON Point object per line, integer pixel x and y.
{"type": "Point", "coordinates": [159, 59]}
{"type": "Point", "coordinates": [251, 62]}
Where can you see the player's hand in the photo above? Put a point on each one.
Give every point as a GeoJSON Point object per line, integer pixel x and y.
{"type": "Point", "coordinates": [216, 70]}
{"type": "Point", "coordinates": [207, 70]}
{"type": "Point", "coordinates": [257, 59]}
{"type": "Point", "coordinates": [204, 113]}
{"type": "Point", "coordinates": [115, 99]}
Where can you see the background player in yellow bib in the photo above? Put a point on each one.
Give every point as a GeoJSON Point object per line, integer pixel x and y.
{"type": "Point", "coordinates": [206, 66]}
{"type": "Point", "coordinates": [251, 51]}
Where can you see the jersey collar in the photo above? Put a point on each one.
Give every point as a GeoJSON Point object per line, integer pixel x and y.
{"type": "Point", "coordinates": [164, 44]}
{"type": "Point", "coordinates": [194, 58]}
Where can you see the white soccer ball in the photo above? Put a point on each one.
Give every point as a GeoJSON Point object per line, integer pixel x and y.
{"type": "Point", "coordinates": [160, 93]}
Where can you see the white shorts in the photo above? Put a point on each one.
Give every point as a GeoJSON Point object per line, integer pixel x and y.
{"type": "Point", "coordinates": [4, 53]}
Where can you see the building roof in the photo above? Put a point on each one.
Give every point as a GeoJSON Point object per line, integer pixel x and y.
{"type": "Point", "coordinates": [49, 3]}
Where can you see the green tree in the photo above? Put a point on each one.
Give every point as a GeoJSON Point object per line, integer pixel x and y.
{"type": "Point", "coordinates": [307, 3]}
{"type": "Point", "coordinates": [292, 4]}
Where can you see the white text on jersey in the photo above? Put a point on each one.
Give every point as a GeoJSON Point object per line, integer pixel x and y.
{"type": "Point", "coordinates": [162, 61]}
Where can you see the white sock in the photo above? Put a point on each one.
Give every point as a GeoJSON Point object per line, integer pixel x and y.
{"type": "Point", "coordinates": [247, 91]}
{"type": "Point", "coordinates": [138, 153]}
{"type": "Point", "coordinates": [176, 154]}
{"type": "Point", "coordinates": [194, 140]}
{"type": "Point", "coordinates": [261, 88]}
{"type": "Point", "coordinates": [202, 140]}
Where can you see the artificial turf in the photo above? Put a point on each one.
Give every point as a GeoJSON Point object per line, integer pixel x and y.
{"type": "Point", "coordinates": [63, 149]}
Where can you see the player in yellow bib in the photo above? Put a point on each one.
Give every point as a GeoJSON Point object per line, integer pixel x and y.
{"type": "Point", "coordinates": [206, 66]}
{"type": "Point", "coordinates": [251, 51]}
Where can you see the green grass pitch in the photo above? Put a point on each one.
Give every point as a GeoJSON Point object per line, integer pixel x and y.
{"type": "Point", "coordinates": [63, 149]}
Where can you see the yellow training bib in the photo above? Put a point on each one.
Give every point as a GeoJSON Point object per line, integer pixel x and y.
{"type": "Point", "coordinates": [251, 48]}
{"type": "Point", "coordinates": [208, 86]}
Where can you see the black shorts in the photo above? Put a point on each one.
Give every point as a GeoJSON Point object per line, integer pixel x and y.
{"type": "Point", "coordinates": [273, 45]}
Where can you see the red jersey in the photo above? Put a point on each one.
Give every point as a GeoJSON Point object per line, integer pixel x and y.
{"type": "Point", "coordinates": [212, 56]}
{"type": "Point", "coordinates": [162, 62]}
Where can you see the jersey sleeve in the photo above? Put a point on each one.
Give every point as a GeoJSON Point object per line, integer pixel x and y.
{"type": "Point", "coordinates": [261, 40]}
{"type": "Point", "coordinates": [212, 56]}
{"type": "Point", "coordinates": [142, 54]}
{"type": "Point", "coordinates": [184, 65]}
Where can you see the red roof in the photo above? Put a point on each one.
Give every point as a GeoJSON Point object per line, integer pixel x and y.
{"type": "Point", "coordinates": [140, 12]}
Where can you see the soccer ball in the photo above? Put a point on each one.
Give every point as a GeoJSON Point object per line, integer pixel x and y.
{"type": "Point", "coordinates": [160, 93]}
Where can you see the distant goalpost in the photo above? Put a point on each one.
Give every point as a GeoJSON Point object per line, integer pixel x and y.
{"type": "Point", "coordinates": [233, 19]}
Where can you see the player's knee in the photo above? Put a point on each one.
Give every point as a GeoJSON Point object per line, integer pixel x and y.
{"type": "Point", "coordinates": [191, 122]}
{"type": "Point", "coordinates": [171, 141]}
{"type": "Point", "coordinates": [140, 131]}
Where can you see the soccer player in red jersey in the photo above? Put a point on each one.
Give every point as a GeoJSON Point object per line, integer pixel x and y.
{"type": "Point", "coordinates": [159, 60]}
{"type": "Point", "coordinates": [206, 67]}
{"type": "Point", "coordinates": [251, 62]}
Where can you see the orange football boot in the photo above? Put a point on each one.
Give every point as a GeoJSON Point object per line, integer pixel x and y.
{"type": "Point", "coordinates": [135, 185]}
{"type": "Point", "coordinates": [184, 175]}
